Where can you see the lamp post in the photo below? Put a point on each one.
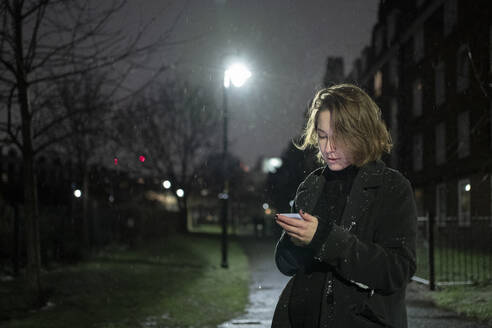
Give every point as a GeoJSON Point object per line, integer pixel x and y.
{"type": "Point", "coordinates": [237, 74]}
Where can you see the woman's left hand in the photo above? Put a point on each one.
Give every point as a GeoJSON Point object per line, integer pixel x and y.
{"type": "Point", "coordinates": [300, 231]}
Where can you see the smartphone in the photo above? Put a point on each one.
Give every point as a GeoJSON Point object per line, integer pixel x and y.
{"type": "Point", "coordinates": [292, 215]}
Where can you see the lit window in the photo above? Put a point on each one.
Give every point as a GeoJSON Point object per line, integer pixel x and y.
{"type": "Point", "coordinates": [378, 84]}
{"type": "Point", "coordinates": [419, 201]}
{"type": "Point", "coordinates": [450, 15]}
{"type": "Point", "coordinates": [462, 69]}
{"type": "Point", "coordinates": [417, 98]}
{"type": "Point", "coordinates": [464, 134]}
{"type": "Point", "coordinates": [440, 144]}
{"type": "Point", "coordinates": [418, 44]}
{"type": "Point", "coordinates": [441, 204]}
{"type": "Point", "coordinates": [418, 152]}
{"type": "Point", "coordinates": [440, 83]}
{"type": "Point", "coordinates": [464, 202]}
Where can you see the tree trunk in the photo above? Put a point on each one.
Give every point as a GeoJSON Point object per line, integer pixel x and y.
{"type": "Point", "coordinates": [183, 215]}
{"type": "Point", "coordinates": [30, 195]}
{"type": "Point", "coordinates": [85, 209]}
{"type": "Point", "coordinates": [31, 215]}
{"type": "Point", "coordinates": [16, 258]}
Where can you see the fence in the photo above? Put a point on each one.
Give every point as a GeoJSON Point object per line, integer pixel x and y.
{"type": "Point", "coordinates": [449, 253]}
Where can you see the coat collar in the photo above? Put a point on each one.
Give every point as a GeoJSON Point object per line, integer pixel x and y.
{"type": "Point", "coordinates": [369, 177]}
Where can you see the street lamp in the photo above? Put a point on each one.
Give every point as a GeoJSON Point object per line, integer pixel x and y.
{"type": "Point", "coordinates": [237, 74]}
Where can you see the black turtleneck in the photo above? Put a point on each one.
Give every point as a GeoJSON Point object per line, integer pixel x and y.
{"type": "Point", "coordinates": [305, 301]}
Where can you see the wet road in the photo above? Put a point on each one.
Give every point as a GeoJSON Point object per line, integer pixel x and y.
{"type": "Point", "coordinates": [267, 284]}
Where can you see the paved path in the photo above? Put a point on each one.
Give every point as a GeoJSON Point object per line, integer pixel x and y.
{"type": "Point", "coordinates": [422, 313]}
{"type": "Point", "coordinates": [267, 284]}
{"type": "Point", "coordinates": [265, 288]}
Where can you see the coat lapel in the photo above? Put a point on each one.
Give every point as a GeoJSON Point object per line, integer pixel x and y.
{"type": "Point", "coordinates": [363, 193]}
{"type": "Point", "coordinates": [309, 192]}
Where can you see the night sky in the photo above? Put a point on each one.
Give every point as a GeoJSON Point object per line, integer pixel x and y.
{"type": "Point", "coordinates": [284, 42]}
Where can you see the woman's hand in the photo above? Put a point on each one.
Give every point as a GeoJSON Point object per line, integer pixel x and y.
{"type": "Point", "coordinates": [300, 231]}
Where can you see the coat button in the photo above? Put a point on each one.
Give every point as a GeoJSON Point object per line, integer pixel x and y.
{"type": "Point", "coordinates": [329, 292]}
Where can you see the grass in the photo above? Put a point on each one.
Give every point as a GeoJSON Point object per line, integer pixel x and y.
{"type": "Point", "coordinates": [471, 301]}
{"type": "Point", "coordinates": [455, 265]}
{"type": "Point", "coordinates": [216, 229]}
{"type": "Point", "coordinates": [174, 283]}
{"type": "Point", "coordinates": [452, 265]}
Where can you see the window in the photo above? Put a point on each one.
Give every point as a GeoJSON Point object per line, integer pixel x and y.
{"type": "Point", "coordinates": [490, 49]}
{"type": "Point", "coordinates": [418, 152]}
{"type": "Point", "coordinates": [440, 143]}
{"type": "Point", "coordinates": [419, 201]}
{"type": "Point", "coordinates": [393, 72]}
{"type": "Point", "coordinates": [394, 131]}
{"type": "Point", "coordinates": [441, 204]}
{"type": "Point", "coordinates": [464, 134]}
{"type": "Point", "coordinates": [417, 98]}
{"type": "Point", "coordinates": [440, 84]}
{"type": "Point", "coordinates": [418, 45]}
{"type": "Point", "coordinates": [464, 202]}
{"type": "Point", "coordinates": [490, 122]}
{"type": "Point", "coordinates": [378, 84]}
{"type": "Point", "coordinates": [462, 69]}
{"type": "Point", "coordinates": [450, 15]}
{"type": "Point", "coordinates": [378, 40]}
{"type": "Point", "coordinates": [490, 178]}
{"type": "Point", "coordinates": [391, 30]}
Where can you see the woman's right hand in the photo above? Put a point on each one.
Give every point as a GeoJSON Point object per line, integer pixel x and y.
{"type": "Point", "coordinates": [300, 231]}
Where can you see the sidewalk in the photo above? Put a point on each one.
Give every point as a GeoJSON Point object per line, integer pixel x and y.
{"type": "Point", "coordinates": [267, 284]}
{"type": "Point", "coordinates": [422, 312]}
{"type": "Point", "coordinates": [265, 288]}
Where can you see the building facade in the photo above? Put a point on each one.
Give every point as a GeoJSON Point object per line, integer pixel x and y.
{"type": "Point", "coordinates": [429, 68]}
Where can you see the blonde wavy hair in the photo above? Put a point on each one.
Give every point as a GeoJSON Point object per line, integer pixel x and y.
{"type": "Point", "coordinates": [356, 122]}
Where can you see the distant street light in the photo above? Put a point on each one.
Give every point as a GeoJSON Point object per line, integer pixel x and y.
{"type": "Point", "coordinates": [77, 193]}
{"type": "Point", "coordinates": [180, 193]}
{"type": "Point", "coordinates": [237, 74]}
{"type": "Point", "coordinates": [166, 184]}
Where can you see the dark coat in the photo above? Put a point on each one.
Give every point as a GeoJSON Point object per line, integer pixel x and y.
{"type": "Point", "coordinates": [370, 254]}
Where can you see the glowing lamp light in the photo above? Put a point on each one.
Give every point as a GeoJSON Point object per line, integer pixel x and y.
{"type": "Point", "coordinates": [467, 187]}
{"type": "Point", "coordinates": [180, 193]}
{"type": "Point", "coordinates": [237, 74]}
{"type": "Point", "coordinates": [166, 184]}
{"type": "Point", "coordinates": [77, 193]}
{"type": "Point", "coordinates": [265, 206]}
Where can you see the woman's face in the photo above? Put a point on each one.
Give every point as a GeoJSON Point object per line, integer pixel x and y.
{"type": "Point", "coordinates": [336, 156]}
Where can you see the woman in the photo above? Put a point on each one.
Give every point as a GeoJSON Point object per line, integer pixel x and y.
{"type": "Point", "coordinates": [353, 253]}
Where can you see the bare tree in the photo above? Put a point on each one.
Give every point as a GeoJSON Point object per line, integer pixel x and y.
{"type": "Point", "coordinates": [176, 127]}
{"type": "Point", "coordinates": [42, 41]}
{"type": "Point", "coordinates": [87, 104]}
